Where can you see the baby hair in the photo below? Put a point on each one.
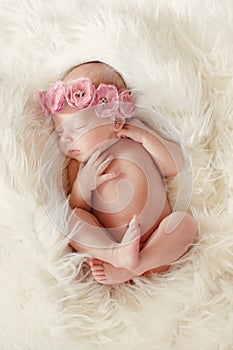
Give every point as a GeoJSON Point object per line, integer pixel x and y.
{"type": "Point", "coordinates": [97, 72]}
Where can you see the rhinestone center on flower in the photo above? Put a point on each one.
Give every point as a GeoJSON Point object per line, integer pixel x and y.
{"type": "Point", "coordinates": [80, 93]}
{"type": "Point", "coordinates": [103, 101]}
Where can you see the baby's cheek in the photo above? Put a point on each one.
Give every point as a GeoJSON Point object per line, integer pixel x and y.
{"type": "Point", "coordinates": [62, 147]}
{"type": "Point", "coordinates": [91, 140]}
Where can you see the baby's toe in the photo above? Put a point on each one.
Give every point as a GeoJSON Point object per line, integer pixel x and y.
{"type": "Point", "coordinates": [99, 278]}
{"type": "Point", "coordinates": [97, 268]}
{"type": "Point", "coordinates": [99, 273]}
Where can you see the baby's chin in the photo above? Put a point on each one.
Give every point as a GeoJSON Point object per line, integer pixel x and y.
{"type": "Point", "coordinates": [79, 157]}
{"type": "Point", "coordinates": [74, 156]}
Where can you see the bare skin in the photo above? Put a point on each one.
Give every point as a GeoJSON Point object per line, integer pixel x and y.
{"type": "Point", "coordinates": [121, 261]}
{"type": "Point", "coordinates": [156, 247]}
{"type": "Point", "coordinates": [124, 254]}
{"type": "Point", "coordinates": [118, 194]}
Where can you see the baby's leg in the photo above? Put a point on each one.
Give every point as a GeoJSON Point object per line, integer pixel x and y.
{"type": "Point", "coordinates": [160, 249]}
{"type": "Point", "coordinates": [170, 241]}
{"type": "Point", "coordinates": [93, 239]}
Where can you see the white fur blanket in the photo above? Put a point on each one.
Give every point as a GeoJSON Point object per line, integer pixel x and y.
{"type": "Point", "coordinates": [178, 57]}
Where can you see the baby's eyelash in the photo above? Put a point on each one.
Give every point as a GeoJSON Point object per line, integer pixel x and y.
{"type": "Point", "coordinates": [79, 129]}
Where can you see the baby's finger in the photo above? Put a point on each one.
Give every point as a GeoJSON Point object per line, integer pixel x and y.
{"type": "Point", "coordinates": [132, 132]}
{"type": "Point", "coordinates": [95, 155]}
{"type": "Point", "coordinates": [124, 133]}
{"type": "Point", "coordinates": [106, 177]}
{"type": "Point", "coordinates": [103, 166]}
{"type": "Point", "coordinates": [98, 158]}
{"type": "Point", "coordinates": [105, 156]}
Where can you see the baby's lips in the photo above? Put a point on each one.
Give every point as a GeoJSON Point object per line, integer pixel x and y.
{"type": "Point", "coordinates": [74, 151]}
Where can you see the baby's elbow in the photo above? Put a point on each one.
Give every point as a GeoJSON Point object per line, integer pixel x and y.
{"type": "Point", "coordinates": [170, 171]}
{"type": "Point", "coordinates": [175, 166]}
{"type": "Point", "coordinates": [179, 163]}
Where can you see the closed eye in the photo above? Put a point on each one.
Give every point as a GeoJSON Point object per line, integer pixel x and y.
{"type": "Point", "coordinates": [79, 127]}
{"type": "Point", "coordinates": [76, 129]}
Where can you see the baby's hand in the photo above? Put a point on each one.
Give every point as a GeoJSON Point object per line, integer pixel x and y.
{"type": "Point", "coordinates": [91, 174]}
{"type": "Point", "coordinates": [136, 133]}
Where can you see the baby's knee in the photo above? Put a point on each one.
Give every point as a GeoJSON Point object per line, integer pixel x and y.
{"type": "Point", "coordinates": [188, 224]}
{"type": "Point", "coordinates": [87, 217]}
{"type": "Point", "coordinates": [182, 222]}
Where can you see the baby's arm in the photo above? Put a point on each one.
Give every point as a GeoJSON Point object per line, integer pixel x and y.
{"type": "Point", "coordinates": [75, 200]}
{"type": "Point", "coordinates": [166, 153]}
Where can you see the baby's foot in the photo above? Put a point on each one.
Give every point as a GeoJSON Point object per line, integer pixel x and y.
{"type": "Point", "coordinates": [105, 273]}
{"type": "Point", "coordinates": [126, 255]}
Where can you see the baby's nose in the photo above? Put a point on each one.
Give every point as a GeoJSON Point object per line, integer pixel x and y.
{"type": "Point", "coordinates": [66, 139]}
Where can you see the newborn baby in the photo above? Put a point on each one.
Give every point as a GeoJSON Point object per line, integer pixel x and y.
{"type": "Point", "coordinates": [116, 175]}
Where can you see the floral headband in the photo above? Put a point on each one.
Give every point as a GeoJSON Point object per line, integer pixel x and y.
{"type": "Point", "coordinates": [81, 94]}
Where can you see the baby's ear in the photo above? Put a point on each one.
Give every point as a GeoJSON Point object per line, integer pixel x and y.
{"type": "Point", "coordinates": [119, 123]}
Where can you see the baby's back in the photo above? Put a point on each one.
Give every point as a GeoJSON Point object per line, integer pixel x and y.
{"type": "Point", "coordinates": [139, 190]}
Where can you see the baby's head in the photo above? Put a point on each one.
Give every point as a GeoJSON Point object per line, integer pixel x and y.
{"type": "Point", "coordinates": [98, 73]}
{"type": "Point", "coordinates": [90, 95]}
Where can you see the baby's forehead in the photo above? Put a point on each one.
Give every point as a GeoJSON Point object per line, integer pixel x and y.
{"type": "Point", "coordinates": [74, 119]}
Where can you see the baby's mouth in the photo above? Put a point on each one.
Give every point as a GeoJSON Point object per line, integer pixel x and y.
{"type": "Point", "coordinates": [74, 151]}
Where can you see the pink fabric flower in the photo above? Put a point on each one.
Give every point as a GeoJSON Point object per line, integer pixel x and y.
{"type": "Point", "coordinates": [55, 97]}
{"type": "Point", "coordinates": [126, 104]}
{"type": "Point", "coordinates": [43, 103]}
{"type": "Point", "coordinates": [80, 93]}
{"type": "Point", "coordinates": [53, 100]}
{"type": "Point", "coordinates": [106, 100]}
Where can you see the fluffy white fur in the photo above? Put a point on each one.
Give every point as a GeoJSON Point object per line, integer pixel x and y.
{"type": "Point", "coordinates": [177, 57]}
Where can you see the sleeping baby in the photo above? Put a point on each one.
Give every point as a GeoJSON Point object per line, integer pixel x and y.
{"type": "Point", "coordinates": [116, 175]}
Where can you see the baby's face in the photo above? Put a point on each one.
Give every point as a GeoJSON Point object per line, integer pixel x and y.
{"type": "Point", "coordinates": [82, 133]}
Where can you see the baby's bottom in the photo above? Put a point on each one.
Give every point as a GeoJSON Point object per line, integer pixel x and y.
{"type": "Point", "coordinates": [168, 242]}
